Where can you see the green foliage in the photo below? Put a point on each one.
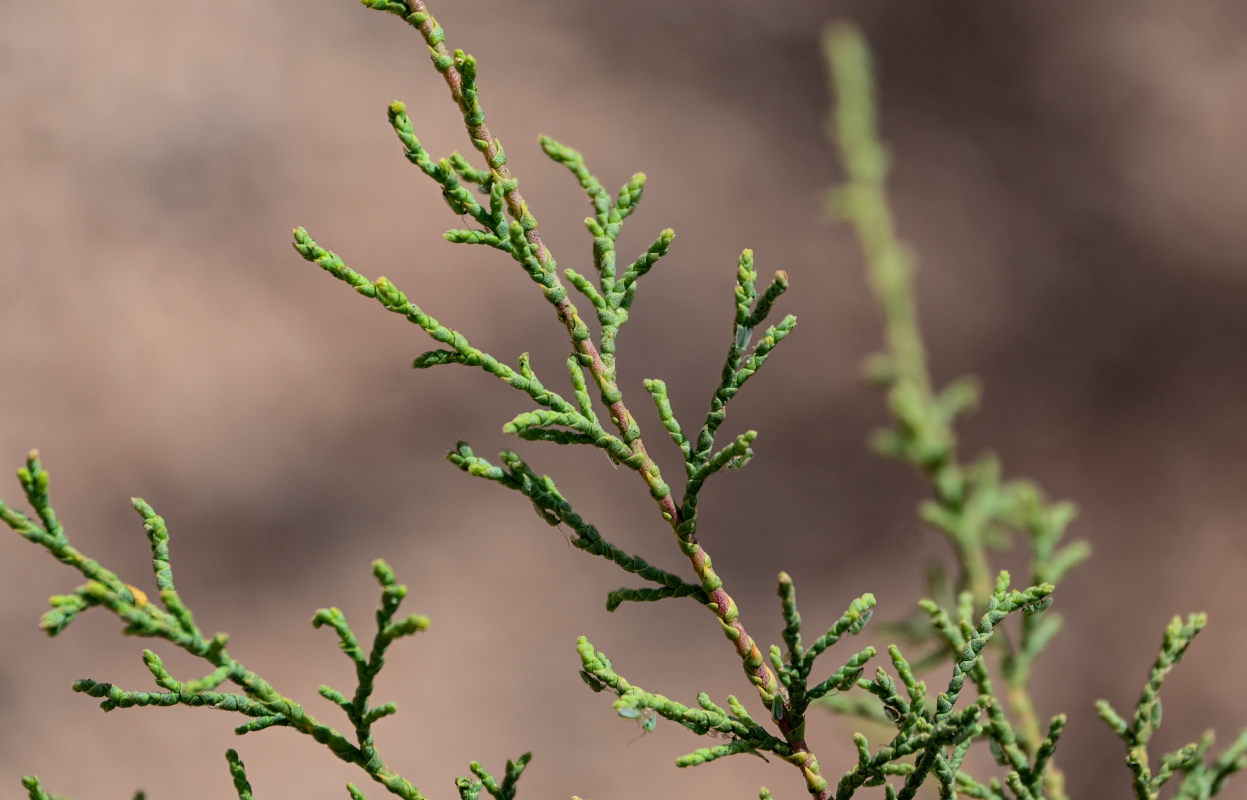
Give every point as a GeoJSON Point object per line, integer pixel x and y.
{"type": "Point", "coordinates": [975, 509]}
{"type": "Point", "coordinates": [972, 506]}
{"type": "Point", "coordinates": [258, 700]}
{"type": "Point", "coordinates": [1200, 780]}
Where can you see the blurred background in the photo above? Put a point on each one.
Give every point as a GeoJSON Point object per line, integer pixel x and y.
{"type": "Point", "coordinates": [1068, 173]}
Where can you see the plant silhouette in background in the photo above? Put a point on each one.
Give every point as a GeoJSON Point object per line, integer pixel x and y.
{"type": "Point", "coordinates": [978, 510]}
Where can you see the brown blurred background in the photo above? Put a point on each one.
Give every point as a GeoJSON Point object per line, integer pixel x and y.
{"type": "Point", "coordinates": [1069, 173]}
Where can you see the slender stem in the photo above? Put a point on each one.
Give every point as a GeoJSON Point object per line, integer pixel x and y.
{"type": "Point", "coordinates": [721, 603]}
{"type": "Point", "coordinates": [976, 571]}
{"type": "Point", "coordinates": [863, 203]}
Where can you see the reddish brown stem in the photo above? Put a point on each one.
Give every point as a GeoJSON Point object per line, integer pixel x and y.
{"type": "Point", "coordinates": [721, 602]}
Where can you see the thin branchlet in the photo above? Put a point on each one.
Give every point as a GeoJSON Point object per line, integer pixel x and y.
{"type": "Point", "coordinates": [610, 298]}
{"type": "Point", "coordinates": [972, 506]}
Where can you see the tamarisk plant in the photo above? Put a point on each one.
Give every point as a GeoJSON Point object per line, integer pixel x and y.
{"type": "Point", "coordinates": [972, 506]}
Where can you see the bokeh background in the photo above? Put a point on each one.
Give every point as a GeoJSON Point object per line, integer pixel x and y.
{"type": "Point", "coordinates": [1071, 175]}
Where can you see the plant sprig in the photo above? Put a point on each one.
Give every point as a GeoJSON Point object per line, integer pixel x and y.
{"type": "Point", "coordinates": [1200, 779]}
{"type": "Point", "coordinates": [936, 737]}
{"type": "Point", "coordinates": [171, 620]}
{"type": "Point", "coordinates": [507, 224]}
{"type": "Point", "coordinates": [972, 506]}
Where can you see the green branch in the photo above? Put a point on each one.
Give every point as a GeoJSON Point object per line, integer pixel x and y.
{"type": "Point", "coordinates": [972, 506]}
{"type": "Point", "coordinates": [257, 700]}
{"type": "Point", "coordinates": [1200, 779]}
